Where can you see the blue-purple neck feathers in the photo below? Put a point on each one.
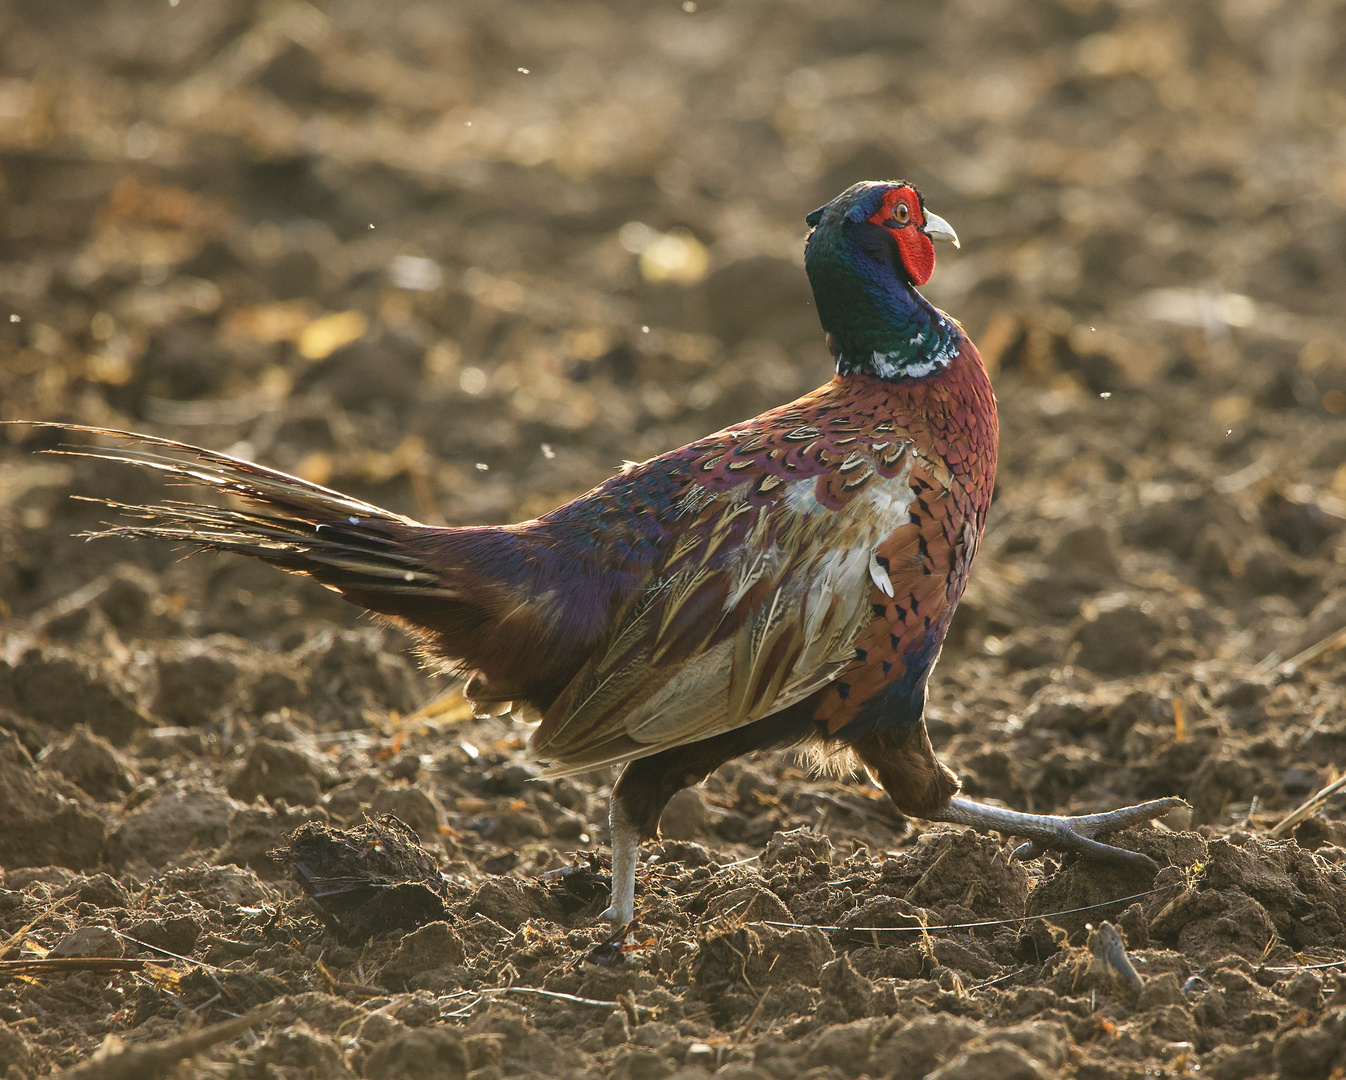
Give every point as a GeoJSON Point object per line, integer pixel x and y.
{"type": "Point", "coordinates": [877, 323]}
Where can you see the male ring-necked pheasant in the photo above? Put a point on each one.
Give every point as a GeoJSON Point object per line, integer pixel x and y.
{"type": "Point", "coordinates": [786, 580]}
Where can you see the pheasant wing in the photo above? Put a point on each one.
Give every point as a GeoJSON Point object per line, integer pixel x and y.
{"type": "Point", "coordinates": [755, 605]}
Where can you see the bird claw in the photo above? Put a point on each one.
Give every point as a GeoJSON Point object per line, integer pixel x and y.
{"type": "Point", "coordinates": [611, 951]}
{"type": "Point", "coordinates": [1070, 841]}
{"type": "Point", "coordinates": [1050, 832]}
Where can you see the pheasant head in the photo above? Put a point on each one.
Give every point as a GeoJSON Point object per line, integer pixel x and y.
{"type": "Point", "coordinates": [869, 249]}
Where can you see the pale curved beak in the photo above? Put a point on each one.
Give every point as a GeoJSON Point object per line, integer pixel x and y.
{"type": "Point", "coordinates": [938, 229]}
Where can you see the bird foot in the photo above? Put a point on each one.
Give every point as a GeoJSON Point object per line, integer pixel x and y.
{"type": "Point", "coordinates": [1051, 832]}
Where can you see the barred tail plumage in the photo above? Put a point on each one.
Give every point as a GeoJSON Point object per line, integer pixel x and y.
{"type": "Point", "coordinates": [481, 598]}
{"type": "Point", "coordinates": [345, 543]}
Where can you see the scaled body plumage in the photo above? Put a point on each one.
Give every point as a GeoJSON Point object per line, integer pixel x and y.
{"type": "Point", "coordinates": [790, 578]}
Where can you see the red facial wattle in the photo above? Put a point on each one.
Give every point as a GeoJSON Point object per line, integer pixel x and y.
{"type": "Point", "coordinates": [902, 215]}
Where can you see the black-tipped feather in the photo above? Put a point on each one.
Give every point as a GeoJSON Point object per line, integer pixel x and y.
{"type": "Point", "coordinates": [481, 598]}
{"type": "Point", "coordinates": [343, 542]}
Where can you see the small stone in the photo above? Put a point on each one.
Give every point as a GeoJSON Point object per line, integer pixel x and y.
{"type": "Point", "coordinates": [702, 1054]}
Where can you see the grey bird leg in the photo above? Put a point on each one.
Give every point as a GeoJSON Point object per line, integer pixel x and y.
{"type": "Point", "coordinates": [625, 844]}
{"type": "Point", "coordinates": [646, 785]}
{"type": "Point", "coordinates": [1057, 833]}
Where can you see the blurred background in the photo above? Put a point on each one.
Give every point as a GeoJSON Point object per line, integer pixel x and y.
{"type": "Point", "coordinates": [463, 259]}
{"type": "Point", "coordinates": [385, 245]}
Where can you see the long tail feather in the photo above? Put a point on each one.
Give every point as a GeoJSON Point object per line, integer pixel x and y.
{"type": "Point", "coordinates": [299, 526]}
{"type": "Point", "coordinates": [468, 592]}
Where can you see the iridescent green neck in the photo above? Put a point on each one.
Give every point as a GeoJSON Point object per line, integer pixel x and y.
{"type": "Point", "coordinates": [877, 323]}
{"type": "Point", "coordinates": [921, 345]}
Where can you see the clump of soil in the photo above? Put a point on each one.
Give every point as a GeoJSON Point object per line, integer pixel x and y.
{"type": "Point", "coordinates": [463, 260]}
{"type": "Point", "coordinates": [367, 880]}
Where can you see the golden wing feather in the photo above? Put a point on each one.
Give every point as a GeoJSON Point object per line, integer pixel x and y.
{"type": "Point", "coordinates": [709, 649]}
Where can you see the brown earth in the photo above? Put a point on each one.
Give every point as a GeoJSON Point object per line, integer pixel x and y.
{"type": "Point", "coordinates": [462, 260]}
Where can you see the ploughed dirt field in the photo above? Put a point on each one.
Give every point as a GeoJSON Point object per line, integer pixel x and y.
{"type": "Point", "coordinates": [462, 260]}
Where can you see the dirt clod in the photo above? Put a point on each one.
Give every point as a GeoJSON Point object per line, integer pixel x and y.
{"type": "Point", "coordinates": [90, 762]}
{"type": "Point", "coordinates": [88, 941]}
{"type": "Point", "coordinates": [841, 983]}
{"type": "Point", "coordinates": [1000, 1059]}
{"type": "Point", "coordinates": [170, 825]}
{"type": "Point", "coordinates": [435, 945]}
{"type": "Point", "coordinates": [192, 688]}
{"type": "Point", "coordinates": [915, 1049]}
{"type": "Point", "coordinates": [42, 824]}
{"type": "Point", "coordinates": [366, 880]}
{"type": "Point", "coordinates": [276, 770]}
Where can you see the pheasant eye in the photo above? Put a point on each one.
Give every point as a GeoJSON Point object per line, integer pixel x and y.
{"type": "Point", "coordinates": [902, 212]}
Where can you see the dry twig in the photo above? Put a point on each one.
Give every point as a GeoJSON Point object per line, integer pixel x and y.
{"type": "Point", "coordinates": [151, 1060]}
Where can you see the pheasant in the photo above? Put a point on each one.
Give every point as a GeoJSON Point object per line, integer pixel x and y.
{"type": "Point", "coordinates": [786, 581]}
